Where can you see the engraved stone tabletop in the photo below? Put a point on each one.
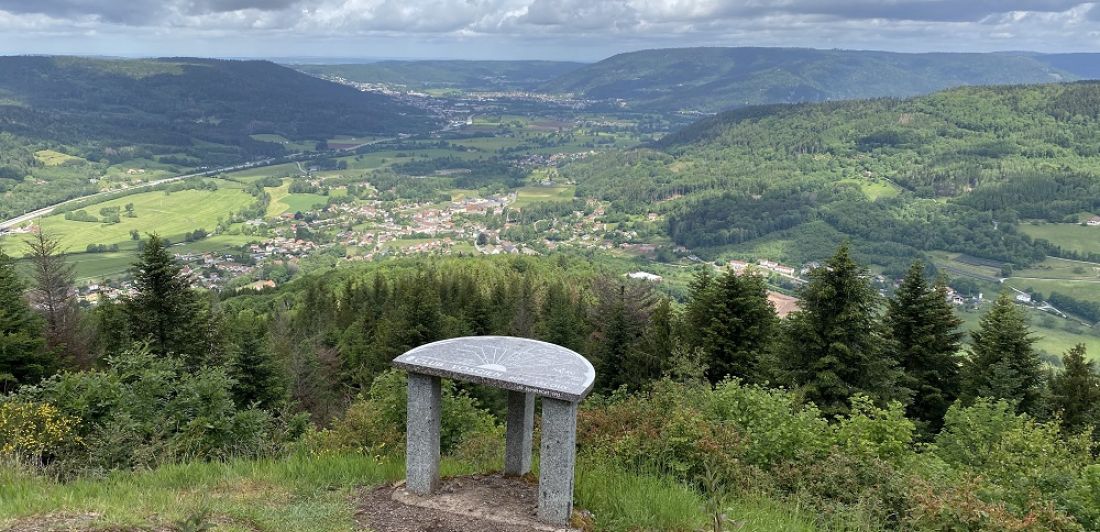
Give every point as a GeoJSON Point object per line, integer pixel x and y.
{"type": "Point", "coordinates": [517, 364]}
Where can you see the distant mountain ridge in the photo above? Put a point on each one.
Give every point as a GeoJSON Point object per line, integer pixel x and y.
{"type": "Point", "coordinates": [714, 79]}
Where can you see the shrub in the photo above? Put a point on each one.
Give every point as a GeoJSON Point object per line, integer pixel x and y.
{"type": "Point", "coordinates": [35, 431]}
{"type": "Point", "coordinates": [375, 423]}
{"type": "Point", "coordinates": [144, 410]}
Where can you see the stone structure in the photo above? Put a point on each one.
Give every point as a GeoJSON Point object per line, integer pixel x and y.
{"type": "Point", "coordinates": [526, 368]}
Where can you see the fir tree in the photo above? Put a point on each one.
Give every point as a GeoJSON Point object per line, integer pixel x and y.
{"type": "Point", "coordinates": [696, 318]}
{"type": "Point", "coordinates": [1075, 392]}
{"type": "Point", "coordinates": [561, 323]}
{"type": "Point", "coordinates": [22, 359]}
{"type": "Point", "coordinates": [925, 335]}
{"type": "Point", "coordinates": [260, 377]}
{"type": "Point", "coordinates": [1003, 364]}
{"type": "Point", "coordinates": [165, 311]}
{"type": "Point", "coordinates": [54, 296]}
{"type": "Point", "coordinates": [834, 347]}
{"type": "Point", "coordinates": [740, 329]}
{"type": "Point", "coordinates": [618, 320]}
{"type": "Point", "coordinates": [651, 359]}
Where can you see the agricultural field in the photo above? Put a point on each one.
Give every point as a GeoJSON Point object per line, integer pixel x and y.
{"type": "Point", "coordinates": [291, 146]}
{"type": "Point", "coordinates": [874, 188]}
{"type": "Point", "coordinates": [282, 201]}
{"type": "Point", "coordinates": [1084, 289]}
{"type": "Point", "coordinates": [1074, 237]}
{"type": "Point", "coordinates": [528, 195]}
{"type": "Point", "coordinates": [54, 158]}
{"type": "Point", "coordinates": [1052, 336]}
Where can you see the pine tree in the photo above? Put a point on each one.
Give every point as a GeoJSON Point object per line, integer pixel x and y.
{"type": "Point", "coordinates": [165, 311]}
{"type": "Point", "coordinates": [740, 329]}
{"type": "Point", "coordinates": [260, 378]}
{"type": "Point", "coordinates": [696, 318]}
{"type": "Point", "coordinates": [834, 347]}
{"type": "Point", "coordinates": [22, 359]}
{"type": "Point", "coordinates": [54, 296]}
{"type": "Point", "coordinates": [1003, 363]}
{"type": "Point", "coordinates": [618, 320]}
{"type": "Point", "coordinates": [925, 335]}
{"type": "Point", "coordinates": [651, 359]}
{"type": "Point", "coordinates": [560, 322]}
{"type": "Point", "coordinates": [1075, 392]}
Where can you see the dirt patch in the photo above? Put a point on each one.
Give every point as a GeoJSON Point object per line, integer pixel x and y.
{"type": "Point", "coordinates": [475, 503]}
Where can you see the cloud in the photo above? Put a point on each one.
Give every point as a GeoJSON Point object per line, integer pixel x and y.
{"type": "Point", "coordinates": [575, 24]}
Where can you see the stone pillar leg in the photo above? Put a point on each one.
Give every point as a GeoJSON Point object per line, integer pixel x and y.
{"type": "Point", "coordinates": [557, 458]}
{"type": "Point", "coordinates": [521, 426]}
{"type": "Point", "coordinates": [422, 450]}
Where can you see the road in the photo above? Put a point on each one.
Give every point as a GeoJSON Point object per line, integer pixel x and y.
{"type": "Point", "coordinates": [295, 157]}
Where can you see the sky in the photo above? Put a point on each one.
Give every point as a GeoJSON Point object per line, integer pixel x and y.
{"type": "Point", "coordinates": [580, 30]}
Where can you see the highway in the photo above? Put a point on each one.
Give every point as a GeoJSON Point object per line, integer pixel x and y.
{"type": "Point", "coordinates": [295, 157]}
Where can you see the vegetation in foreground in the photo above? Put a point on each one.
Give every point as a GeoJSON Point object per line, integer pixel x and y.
{"type": "Point", "coordinates": [852, 413]}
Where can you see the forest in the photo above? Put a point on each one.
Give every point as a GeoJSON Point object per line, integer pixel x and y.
{"type": "Point", "coordinates": [956, 171]}
{"type": "Point", "coordinates": [863, 412]}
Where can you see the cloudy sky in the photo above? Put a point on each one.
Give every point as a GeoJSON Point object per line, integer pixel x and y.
{"type": "Point", "coordinates": [544, 29]}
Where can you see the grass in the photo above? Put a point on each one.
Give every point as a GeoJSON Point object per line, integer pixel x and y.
{"type": "Point", "coordinates": [1084, 289]}
{"type": "Point", "coordinates": [54, 158]}
{"type": "Point", "coordinates": [1053, 268]}
{"type": "Point", "coordinates": [283, 201]}
{"type": "Point", "coordinates": [292, 146]}
{"type": "Point", "coordinates": [1052, 340]}
{"type": "Point", "coordinates": [303, 492]}
{"type": "Point", "coordinates": [528, 195]}
{"type": "Point", "coordinates": [1074, 237]}
{"type": "Point", "coordinates": [874, 188]}
{"type": "Point", "coordinates": [169, 215]}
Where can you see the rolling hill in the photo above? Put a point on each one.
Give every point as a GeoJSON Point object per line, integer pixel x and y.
{"type": "Point", "coordinates": [953, 171]}
{"type": "Point", "coordinates": [65, 121]}
{"type": "Point", "coordinates": [714, 79]}
{"type": "Point", "coordinates": [465, 75]}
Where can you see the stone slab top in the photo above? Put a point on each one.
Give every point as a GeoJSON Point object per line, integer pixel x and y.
{"type": "Point", "coordinates": [517, 364]}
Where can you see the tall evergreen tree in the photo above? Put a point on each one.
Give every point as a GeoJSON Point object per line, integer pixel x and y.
{"type": "Point", "coordinates": [696, 317]}
{"type": "Point", "coordinates": [22, 359]}
{"type": "Point", "coordinates": [741, 327]}
{"type": "Point", "coordinates": [1075, 392]}
{"type": "Point", "coordinates": [1003, 364]}
{"type": "Point", "coordinates": [561, 322]}
{"type": "Point", "coordinates": [54, 296]}
{"type": "Point", "coordinates": [260, 377]}
{"type": "Point", "coordinates": [618, 321]}
{"type": "Point", "coordinates": [165, 311]}
{"type": "Point", "coordinates": [925, 335]}
{"type": "Point", "coordinates": [834, 347]}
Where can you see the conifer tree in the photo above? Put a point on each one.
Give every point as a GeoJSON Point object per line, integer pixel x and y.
{"type": "Point", "coordinates": [54, 296]}
{"type": "Point", "coordinates": [22, 359]}
{"type": "Point", "coordinates": [834, 347]}
{"type": "Point", "coordinates": [925, 334]}
{"type": "Point", "coordinates": [165, 311]}
{"type": "Point", "coordinates": [1002, 363]}
{"type": "Point", "coordinates": [650, 360]}
{"type": "Point", "coordinates": [740, 329]}
{"type": "Point", "coordinates": [260, 378]}
{"type": "Point", "coordinates": [561, 323]}
{"type": "Point", "coordinates": [618, 320]}
{"type": "Point", "coordinates": [1075, 392]}
{"type": "Point", "coordinates": [696, 317]}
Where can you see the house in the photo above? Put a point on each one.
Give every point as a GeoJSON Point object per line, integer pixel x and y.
{"type": "Point", "coordinates": [1093, 222]}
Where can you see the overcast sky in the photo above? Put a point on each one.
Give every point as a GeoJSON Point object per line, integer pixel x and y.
{"type": "Point", "coordinates": [583, 30]}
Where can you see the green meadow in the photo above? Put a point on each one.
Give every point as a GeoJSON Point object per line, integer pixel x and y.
{"type": "Point", "coordinates": [1075, 237]}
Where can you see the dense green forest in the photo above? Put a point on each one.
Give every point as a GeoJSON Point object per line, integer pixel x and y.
{"type": "Point", "coordinates": [715, 79]}
{"type": "Point", "coordinates": [868, 413]}
{"type": "Point", "coordinates": [163, 114]}
{"type": "Point", "coordinates": [463, 75]}
{"type": "Point", "coordinates": [956, 170]}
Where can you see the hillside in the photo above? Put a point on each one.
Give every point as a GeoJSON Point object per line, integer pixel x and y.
{"type": "Point", "coordinates": [950, 171]}
{"type": "Point", "coordinates": [713, 79]}
{"type": "Point", "coordinates": [466, 75]}
{"type": "Point", "coordinates": [68, 120]}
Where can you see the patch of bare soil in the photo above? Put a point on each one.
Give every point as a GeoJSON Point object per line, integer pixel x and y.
{"type": "Point", "coordinates": [489, 503]}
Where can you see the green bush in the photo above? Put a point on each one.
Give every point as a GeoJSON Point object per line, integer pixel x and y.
{"type": "Point", "coordinates": [375, 422]}
{"type": "Point", "coordinates": [142, 410]}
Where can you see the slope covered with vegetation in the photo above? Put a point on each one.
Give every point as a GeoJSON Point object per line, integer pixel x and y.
{"type": "Point", "coordinates": [956, 170]}
{"type": "Point", "coordinates": [466, 75]}
{"type": "Point", "coordinates": [66, 120]}
{"type": "Point", "coordinates": [714, 79]}
{"type": "Point", "coordinates": [274, 410]}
